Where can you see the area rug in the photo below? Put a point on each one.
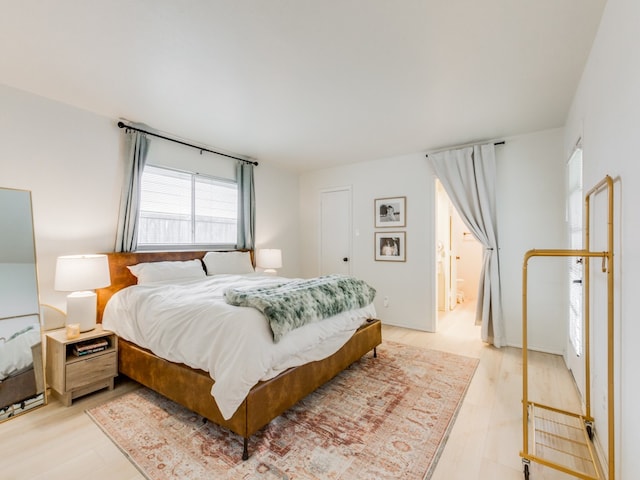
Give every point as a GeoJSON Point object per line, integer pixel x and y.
{"type": "Point", "coordinates": [384, 417]}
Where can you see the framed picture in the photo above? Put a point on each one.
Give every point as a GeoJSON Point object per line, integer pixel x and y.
{"type": "Point", "coordinates": [390, 212]}
{"type": "Point", "coordinates": [390, 246]}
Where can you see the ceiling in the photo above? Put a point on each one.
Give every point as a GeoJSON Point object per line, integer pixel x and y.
{"type": "Point", "coordinates": [307, 84]}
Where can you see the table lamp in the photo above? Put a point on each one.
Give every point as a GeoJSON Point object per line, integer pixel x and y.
{"type": "Point", "coordinates": [269, 259]}
{"type": "Point", "coordinates": [81, 274]}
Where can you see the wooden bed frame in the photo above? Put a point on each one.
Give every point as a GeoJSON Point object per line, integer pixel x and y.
{"type": "Point", "coordinates": [192, 388]}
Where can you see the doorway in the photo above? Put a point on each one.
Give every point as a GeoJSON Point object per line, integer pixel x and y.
{"type": "Point", "coordinates": [458, 264]}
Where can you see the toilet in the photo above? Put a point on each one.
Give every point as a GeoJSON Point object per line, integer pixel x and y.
{"type": "Point", "coordinates": [459, 291]}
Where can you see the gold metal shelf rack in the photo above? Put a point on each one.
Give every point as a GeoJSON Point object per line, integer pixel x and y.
{"type": "Point", "coordinates": [562, 439]}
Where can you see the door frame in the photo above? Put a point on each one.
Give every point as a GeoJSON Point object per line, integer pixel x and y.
{"type": "Point", "coordinates": [574, 360]}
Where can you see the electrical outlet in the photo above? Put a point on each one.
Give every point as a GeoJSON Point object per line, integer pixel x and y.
{"type": "Point", "coordinates": [385, 302]}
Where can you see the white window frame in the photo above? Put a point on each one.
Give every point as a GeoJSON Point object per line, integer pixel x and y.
{"type": "Point", "coordinates": [193, 177]}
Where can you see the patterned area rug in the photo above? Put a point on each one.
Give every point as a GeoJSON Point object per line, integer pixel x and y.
{"type": "Point", "coordinates": [384, 417]}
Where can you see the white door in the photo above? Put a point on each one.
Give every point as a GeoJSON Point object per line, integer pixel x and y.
{"type": "Point", "coordinates": [335, 231]}
{"type": "Point", "coordinates": [575, 201]}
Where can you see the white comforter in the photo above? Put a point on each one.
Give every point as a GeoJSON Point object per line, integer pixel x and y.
{"type": "Point", "coordinates": [190, 323]}
{"type": "Point", "coordinates": [16, 355]}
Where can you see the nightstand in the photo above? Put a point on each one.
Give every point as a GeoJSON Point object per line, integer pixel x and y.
{"type": "Point", "coordinates": [71, 375]}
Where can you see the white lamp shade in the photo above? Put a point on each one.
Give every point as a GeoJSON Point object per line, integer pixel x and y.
{"type": "Point", "coordinates": [78, 274]}
{"type": "Point", "coordinates": [269, 258]}
{"type": "Point", "coordinates": [82, 272]}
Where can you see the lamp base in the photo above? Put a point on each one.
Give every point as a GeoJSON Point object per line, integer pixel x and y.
{"type": "Point", "coordinates": [81, 309]}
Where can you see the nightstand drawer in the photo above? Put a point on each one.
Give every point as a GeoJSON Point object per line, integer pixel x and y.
{"type": "Point", "coordinates": [83, 373]}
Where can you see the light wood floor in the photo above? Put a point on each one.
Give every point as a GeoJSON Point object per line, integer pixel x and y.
{"type": "Point", "coordinates": [57, 442]}
{"type": "Point", "coordinates": [486, 439]}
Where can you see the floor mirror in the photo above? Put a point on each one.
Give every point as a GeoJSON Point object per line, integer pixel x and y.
{"type": "Point", "coordinates": [22, 382]}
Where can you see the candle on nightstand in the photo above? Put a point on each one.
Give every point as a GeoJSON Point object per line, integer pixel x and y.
{"type": "Point", "coordinates": [73, 330]}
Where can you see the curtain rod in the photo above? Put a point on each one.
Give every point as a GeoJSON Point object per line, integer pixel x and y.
{"type": "Point", "coordinates": [502, 142]}
{"type": "Point", "coordinates": [129, 127]}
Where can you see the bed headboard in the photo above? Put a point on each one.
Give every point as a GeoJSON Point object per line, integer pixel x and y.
{"type": "Point", "coordinates": [121, 277]}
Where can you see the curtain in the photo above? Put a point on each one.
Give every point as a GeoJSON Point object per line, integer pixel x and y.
{"type": "Point", "coordinates": [469, 175]}
{"type": "Point", "coordinates": [246, 205]}
{"type": "Point", "coordinates": [127, 235]}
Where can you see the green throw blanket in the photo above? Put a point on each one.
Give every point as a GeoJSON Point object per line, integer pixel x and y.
{"type": "Point", "coordinates": [298, 302]}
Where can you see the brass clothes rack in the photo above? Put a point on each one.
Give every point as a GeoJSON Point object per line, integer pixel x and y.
{"type": "Point", "coordinates": [562, 439]}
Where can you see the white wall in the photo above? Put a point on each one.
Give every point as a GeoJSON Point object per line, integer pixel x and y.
{"type": "Point", "coordinates": [531, 211]}
{"type": "Point", "coordinates": [71, 160]}
{"type": "Point", "coordinates": [408, 285]}
{"type": "Point", "coordinates": [18, 293]}
{"type": "Point", "coordinates": [277, 216]}
{"type": "Point", "coordinates": [605, 111]}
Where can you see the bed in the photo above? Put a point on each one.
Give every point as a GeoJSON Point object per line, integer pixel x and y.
{"type": "Point", "coordinates": [192, 387]}
{"type": "Point", "coordinates": [21, 372]}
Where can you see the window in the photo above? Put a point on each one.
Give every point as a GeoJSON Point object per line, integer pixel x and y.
{"type": "Point", "coordinates": [186, 209]}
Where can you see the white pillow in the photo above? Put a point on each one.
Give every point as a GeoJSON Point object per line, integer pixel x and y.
{"type": "Point", "coordinates": [153, 272]}
{"type": "Point", "coordinates": [236, 263]}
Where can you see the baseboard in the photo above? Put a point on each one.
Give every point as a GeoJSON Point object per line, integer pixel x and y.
{"type": "Point", "coordinates": [600, 453]}
{"type": "Point", "coordinates": [534, 348]}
